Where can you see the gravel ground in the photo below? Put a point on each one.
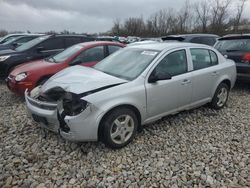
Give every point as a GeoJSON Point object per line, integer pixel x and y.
{"type": "Point", "coordinates": [198, 148]}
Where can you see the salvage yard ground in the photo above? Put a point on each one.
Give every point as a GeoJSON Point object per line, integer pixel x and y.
{"type": "Point", "coordinates": [198, 148]}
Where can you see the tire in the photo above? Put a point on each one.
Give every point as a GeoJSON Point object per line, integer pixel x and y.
{"type": "Point", "coordinates": [119, 128]}
{"type": "Point", "coordinates": [220, 97]}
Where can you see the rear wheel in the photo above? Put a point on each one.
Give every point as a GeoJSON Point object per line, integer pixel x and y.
{"type": "Point", "coordinates": [220, 97]}
{"type": "Point", "coordinates": [119, 128]}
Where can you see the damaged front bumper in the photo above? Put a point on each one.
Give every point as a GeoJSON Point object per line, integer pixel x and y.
{"type": "Point", "coordinates": [82, 127]}
{"type": "Point", "coordinates": [43, 112]}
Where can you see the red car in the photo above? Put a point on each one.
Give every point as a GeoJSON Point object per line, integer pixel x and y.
{"type": "Point", "coordinates": [32, 74]}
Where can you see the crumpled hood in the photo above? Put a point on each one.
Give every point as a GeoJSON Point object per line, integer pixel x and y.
{"type": "Point", "coordinates": [79, 79]}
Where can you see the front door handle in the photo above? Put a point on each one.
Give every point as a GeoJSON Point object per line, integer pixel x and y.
{"type": "Point", "coordinates": [185, 82]}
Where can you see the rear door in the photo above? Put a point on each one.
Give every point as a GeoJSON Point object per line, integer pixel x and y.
{"type": "Point", "coordinates": [205, 74]}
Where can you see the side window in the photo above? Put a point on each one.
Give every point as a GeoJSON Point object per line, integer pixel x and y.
{"type": "Point", "coordinates": [92, 54]}
{"type": "Point", "coordinates": [69, 41]}
{"type": "Point", "coordinates": [24, 39]}
{"type": "Point", "coordinates": [196, 40]}
{"type": "Point", "coordinates": [173, 64]}
{"type": "Point", "coordinates": [214, 57]}
{"type": "Point", "coordinates": [52, 44]}
{"type": "Point", "coordinates": [203, 58]}
{"type": "Point", "coordinates": [208, 41]}
{"type": "Point", "coordinates": [113, 49]}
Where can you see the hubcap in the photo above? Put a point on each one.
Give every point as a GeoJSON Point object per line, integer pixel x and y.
{"type": "Point", "coordinates": [222, 97]}
{"type": "Point", "coordinates": [122, 129]}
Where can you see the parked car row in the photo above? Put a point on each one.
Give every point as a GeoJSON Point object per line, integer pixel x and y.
{"type": "Point", "coordinates": [34, 73]}
{"type": "Point", "coordinates": [38, 48]}
{"type": "Point", "coordinates": [129, 87]}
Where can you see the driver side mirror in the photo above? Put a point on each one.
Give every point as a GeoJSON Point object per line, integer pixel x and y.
{"type": "Point", "coordinates": [153, 78]}
{"type": "Point", "coordinates": [14, 45]}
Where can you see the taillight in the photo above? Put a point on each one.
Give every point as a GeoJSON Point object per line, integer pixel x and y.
{"type": "Point", "coordinates": [246, 58]}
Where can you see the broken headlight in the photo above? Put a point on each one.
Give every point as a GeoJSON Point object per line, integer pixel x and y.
{"type": "Point", "coordinates": [73, 104]}
{"type": "Point", "coordinates": [52, 95]}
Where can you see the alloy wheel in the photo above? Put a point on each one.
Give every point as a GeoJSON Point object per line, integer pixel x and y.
{"type": "Point", "coordinates": [122, 129]}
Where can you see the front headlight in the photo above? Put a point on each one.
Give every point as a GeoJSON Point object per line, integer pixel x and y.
{"type": "Point", "coordinates": [21, 76]}
{"type": "Point", "coordinates": [3, 58]}
{"type": "Point", "coordinates": [73, 105]}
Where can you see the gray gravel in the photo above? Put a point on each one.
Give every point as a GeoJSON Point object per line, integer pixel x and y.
{"type": "Point", "coordinates": [198, 148]}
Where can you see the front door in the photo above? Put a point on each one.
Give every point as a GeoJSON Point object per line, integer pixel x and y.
{"type": "Point", "coordinates": [167, 96]}
{"type": "Point", "coordinates": [90, 56]}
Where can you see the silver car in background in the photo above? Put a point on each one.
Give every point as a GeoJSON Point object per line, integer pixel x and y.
{"type": "Point", "coordinates": [133, 87]}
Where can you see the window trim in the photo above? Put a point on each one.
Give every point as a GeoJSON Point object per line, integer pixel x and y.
{"type": "Point", "coordinates": [85, 49]}
{"type": "Point", "coordinates": [165, 55]}
{"type": "Point", "coordinates": [108, 45]}
{"type": "Point", "coordinates": [211, 65]}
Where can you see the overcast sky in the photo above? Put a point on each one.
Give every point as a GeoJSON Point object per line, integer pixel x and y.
{"type": "Point", "coordinates": [76, 15]}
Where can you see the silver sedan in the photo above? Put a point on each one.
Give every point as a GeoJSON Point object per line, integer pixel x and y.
{"type": "Point", "coordinates": [133, 87]}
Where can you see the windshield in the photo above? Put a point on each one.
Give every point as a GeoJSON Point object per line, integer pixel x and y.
{"type": "Point", "coordinates": [65, 54]}
{"type": "Point", "coordinates": [127, 63]}
{"type": "Point", "coordinates": [31, 43]}
{"type": "Point", "coordinates": [7, 38]}
{"type": "Point", "coordinates": [11, 40]}
{"type": "Point", "coordinates": [233, 45]}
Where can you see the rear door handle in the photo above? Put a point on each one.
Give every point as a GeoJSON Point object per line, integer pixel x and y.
{"type": "Point", "coordinates": [185, 82]}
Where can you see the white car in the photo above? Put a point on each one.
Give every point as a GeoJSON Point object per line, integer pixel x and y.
{"type": "Point", "coordinates": [133, 87]}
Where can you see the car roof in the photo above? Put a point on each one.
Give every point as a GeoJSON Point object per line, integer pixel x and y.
{"type": "Point", "coordinates": [100, 43]}
{"type": "Point", "coordinates": [160, 46]}
{"type": "Point", "coordinates": [68, 35]}
{"type": "Point", "coordinates": [235, 36]}
{"type": "Point", "coordinates": [182, 37]}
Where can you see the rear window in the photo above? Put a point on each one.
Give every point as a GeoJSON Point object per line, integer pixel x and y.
{"type": "Point", "coordinates": [233, 45]}
{"type": "Point", "coordinates": [204, 40]}
{"type": "Point", "coordinates": [203, 58]}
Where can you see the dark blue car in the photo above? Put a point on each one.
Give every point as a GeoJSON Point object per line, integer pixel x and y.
{"type": "Point", "coordinates": [18, 41]}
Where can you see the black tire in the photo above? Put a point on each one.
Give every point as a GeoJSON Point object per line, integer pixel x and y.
{"type": "Point", "coordinates": [109, 126]}
{"type": "Point", "coordinates": [216, 104]}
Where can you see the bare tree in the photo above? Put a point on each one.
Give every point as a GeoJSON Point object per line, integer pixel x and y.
{"type": "Point", "coordinates": [116, 29]}
{"type": "Point", "coordinates": [202, 10]}
{"type": "Point", "coordinates": [3, 33]}
{"type": "Point", "coordinates": [185, 18]}
{"type": "Point", "coordinates": [219, 14]}
{"type": "Point", "coordinates": [134, 26]}
{"type": "Point", "coordinates": [240, 9]}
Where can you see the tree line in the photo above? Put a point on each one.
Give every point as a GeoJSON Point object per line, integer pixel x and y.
{"type": "Point", "coordinates": [205, 16]}
{"type": "Point", "coordinates": [214, 16]}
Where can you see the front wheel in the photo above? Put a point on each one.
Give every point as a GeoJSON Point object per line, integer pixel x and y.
{"type": "Point", "coordinates": [220, 97]}
{"type": "Point", "coordinates": [119, 128]}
